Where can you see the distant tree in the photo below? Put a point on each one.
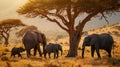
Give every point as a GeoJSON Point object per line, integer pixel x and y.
{"type": "Point", "coordinates": [65, 14]}
{"type": "Point", "coordinates": [6, 26]}
{"type": "Point", "coordinates": [21, 32]}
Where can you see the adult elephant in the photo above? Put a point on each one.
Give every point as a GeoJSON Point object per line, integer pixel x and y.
{"type": "Point", "coordinates": [102, 41]}
{"type": "Point", "coordinates": [31, 40]}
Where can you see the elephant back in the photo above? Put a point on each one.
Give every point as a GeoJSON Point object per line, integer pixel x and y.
{"type": "Point", "coordinates": [107, 38]}
{"type": "Point", "coordinates": [50, 47]}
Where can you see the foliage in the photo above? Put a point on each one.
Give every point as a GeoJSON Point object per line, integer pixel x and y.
{"type": "Point", "coordinates": [66, 11]}
{"type": "Point", "coordinates": [4, 58]}
{"type": "Point", "coordinates": [7, 25]}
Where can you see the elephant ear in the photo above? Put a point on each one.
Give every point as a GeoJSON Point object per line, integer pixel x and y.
{"type": "Point", "coordinates": [94, 41]}
{"type": "Point", "coordinates": [39, 37]}
{"type": "Point", "coordinates": [86, 41]}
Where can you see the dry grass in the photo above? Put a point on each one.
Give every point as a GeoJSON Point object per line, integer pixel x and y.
{"type": "Point", "coordinates": [62, 61]}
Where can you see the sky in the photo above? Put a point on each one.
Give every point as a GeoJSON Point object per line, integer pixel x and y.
{"type": "Point", "coordinates": [8, 10]}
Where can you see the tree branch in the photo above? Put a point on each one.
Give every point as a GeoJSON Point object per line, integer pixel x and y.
{"type": "Point", "coordinates": [88, 18]}
{"type": "Point", "coordinates": [55, 21]}
{"type": "Point", "coordinates": [69, 13]}
{"type": "Point", "coordinates": [105, 18]}
{"type": "Point", "coordinates": [44, 13]}
{"type": "Point", "coordinates": [76, 12]}
{"type": "Point", "coordinates": [3, 35]}
{"type": "Point", "coordinates": [65, 22]}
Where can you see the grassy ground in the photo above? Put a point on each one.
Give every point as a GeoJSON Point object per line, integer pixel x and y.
{"type": "Point", "coordinates": [62, 61]}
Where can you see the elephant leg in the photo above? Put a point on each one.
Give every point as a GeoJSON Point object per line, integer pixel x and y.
{"type": "Point", "coordinates": [28, 53]}
{"type": "Point", "coordinates": [49, 54]}
{"type": "Point", "coordinates": [19, 55]}
{"type": "Point", "coordinates": [58, 54]}
{"type": "Point", "coordinates": [40, 53]}
{"type": "Point", "coordinates": [92, 51]}
{"type": "Point", "coordinates": [45, 54]}
{"type": "Point", "coordinates": [55, 53]}
{"type": "Point", "coordinates": [97, 50]}
{"type": "Point", "coordinates": [12, 55]}
{"type": "Point", "coordinates": [109, 52]}
{"type": "Point", "coordinates": [35, 50]}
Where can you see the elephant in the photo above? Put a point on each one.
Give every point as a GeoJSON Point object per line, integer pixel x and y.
{"type": "Point", "coordinates": [51, 47]}
{"type": "Point", "coordinates": [32, 39]}
{"type": "Point", "coordinates": [98, 41]}
{"type": "Point", "coordinates": [16, 50]}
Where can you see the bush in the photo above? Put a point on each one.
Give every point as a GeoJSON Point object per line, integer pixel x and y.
{"type": "Point", "coordinates": [4, 58]}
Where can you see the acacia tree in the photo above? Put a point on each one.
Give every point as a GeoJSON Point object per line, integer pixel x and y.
{"type": "Point", "coordinates": [6, 26]}
{"type": "Point", "coordinates": [65, 12]}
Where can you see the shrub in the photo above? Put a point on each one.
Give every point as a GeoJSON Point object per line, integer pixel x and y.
{"type": "Point", "coordinates": [4, 58]}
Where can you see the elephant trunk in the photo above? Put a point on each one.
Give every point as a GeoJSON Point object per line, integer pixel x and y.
{"type": "Point", "coordinates": [83, 48]}
{"type": "Point", "coordinates": [44, 42]}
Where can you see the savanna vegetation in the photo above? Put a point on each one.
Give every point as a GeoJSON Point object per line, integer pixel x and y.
{"type": "Point", "coordinates": [66, 14]}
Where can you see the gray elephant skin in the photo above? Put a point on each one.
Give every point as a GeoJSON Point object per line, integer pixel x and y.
{"type": "Point", "coordinates": [17, 51]}
{"type": "Point", "coordinates": [98, 41]}
{"type": "Point", "coordinates": [32, 39]}
{"type": "Point", "coordinates": [53, 48]}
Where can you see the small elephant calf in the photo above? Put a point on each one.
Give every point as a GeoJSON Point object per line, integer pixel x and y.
{"type": "Point", "coordinates": [51, 47]}
{"type": "Point", "coordinates": [16, 50]}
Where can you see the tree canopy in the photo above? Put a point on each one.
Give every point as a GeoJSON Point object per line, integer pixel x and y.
{"type": "Point", "coordinates": [66, 10]}
{"type": "Point", "coordinates": [6, 25]}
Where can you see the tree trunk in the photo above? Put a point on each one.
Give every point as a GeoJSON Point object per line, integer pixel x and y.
{"type": "Point", "coordinates": [74, 42]}
{"type": "Point", "coordinates": [75, 37]}
{"type": "Point", "coordinates": [6, 41]}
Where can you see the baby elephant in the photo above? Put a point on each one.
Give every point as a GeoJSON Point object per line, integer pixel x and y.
{"type": "Point", "coordinates": [96, 41]}
{"type": "Point", "coordinates": [16, 50]}
{"type": "Point", "coordinates": [52, 48]}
